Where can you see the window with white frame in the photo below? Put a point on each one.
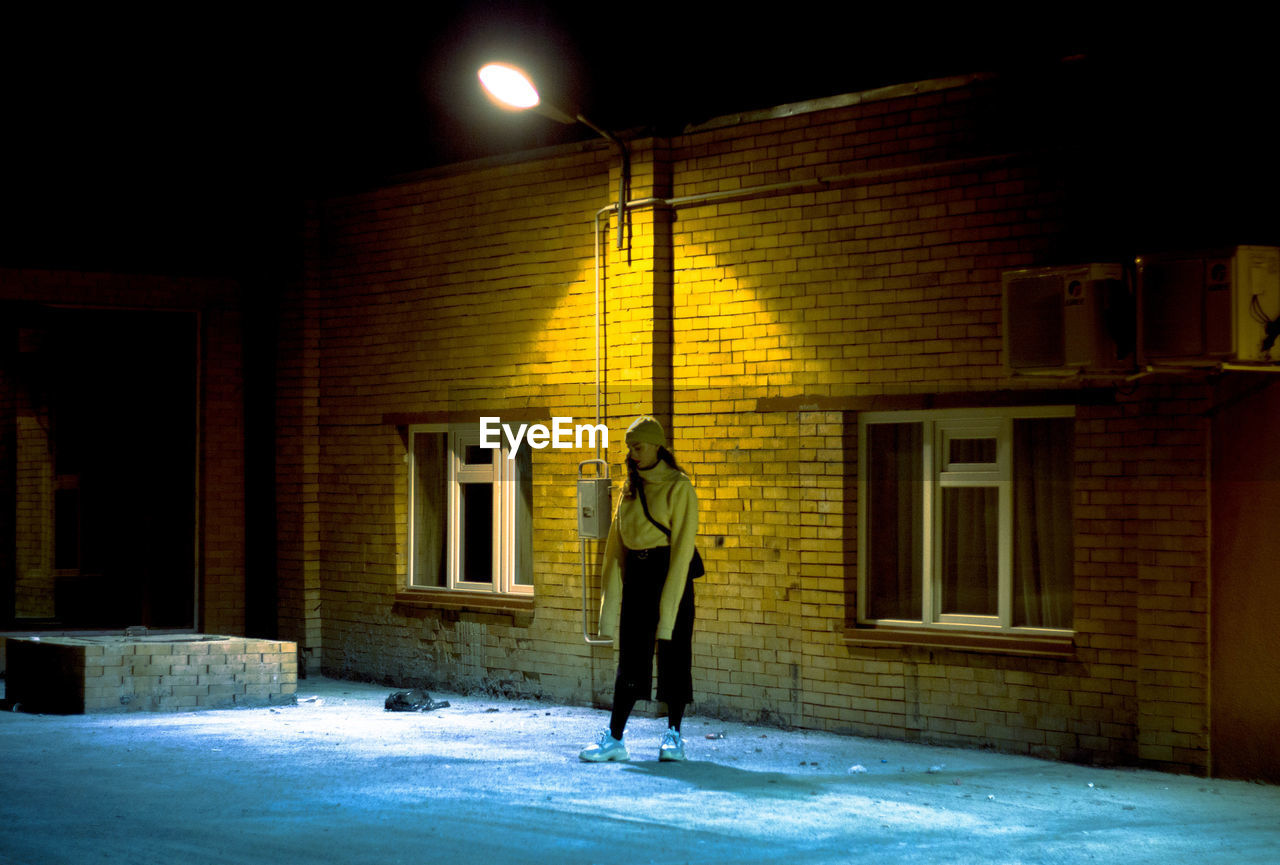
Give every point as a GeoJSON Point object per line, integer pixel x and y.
{"type": "Point", "coordinates": [965, 519]}
{"type": "Point", "coordinates": [470, 513]}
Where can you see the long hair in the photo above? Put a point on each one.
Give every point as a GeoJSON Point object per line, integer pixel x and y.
{"type": "Point", "coordinates": [634, 480]}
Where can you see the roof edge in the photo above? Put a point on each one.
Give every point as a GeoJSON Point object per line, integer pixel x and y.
{"type": "Point", "coordinates": [809, 106]}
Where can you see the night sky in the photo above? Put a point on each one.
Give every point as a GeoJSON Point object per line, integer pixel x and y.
{"type": "Point", "coordinates": [186, 145]}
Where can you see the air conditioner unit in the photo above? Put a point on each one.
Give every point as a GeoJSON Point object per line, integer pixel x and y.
{"type": "Point", "coordinates": [1206, 308]}
{"type": "Point", "coordinates": [1078, 318]}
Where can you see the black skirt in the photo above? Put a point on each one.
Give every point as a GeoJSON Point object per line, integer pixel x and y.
{"type": "Point", "coordinates": [644, 575]}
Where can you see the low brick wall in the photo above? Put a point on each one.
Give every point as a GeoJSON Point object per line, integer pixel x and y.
{"type": "Point", "coordinates": [81, 674]}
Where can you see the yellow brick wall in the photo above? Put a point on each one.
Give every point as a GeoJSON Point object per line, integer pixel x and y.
{"type": "Point", "coordinates": [458, 294]}
{"type": "Point", "coordinates": [818, 258]}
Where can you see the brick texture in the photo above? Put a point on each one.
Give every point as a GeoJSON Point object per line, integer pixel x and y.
{"type": "Point", "coordinates": [101, 674]}
{"type": "Point", "coordinates": [839, 255]}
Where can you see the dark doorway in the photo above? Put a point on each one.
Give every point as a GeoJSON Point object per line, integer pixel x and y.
{"type": "Point", "coordinates": [103, 409]}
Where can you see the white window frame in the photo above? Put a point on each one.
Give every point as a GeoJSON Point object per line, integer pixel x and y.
{"type": "Point", "coordinates": [502, 474]}
{"type": "Point", "coordinates": [939, 428]}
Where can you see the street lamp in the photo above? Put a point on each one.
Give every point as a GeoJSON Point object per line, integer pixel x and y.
{"type": "Point", "coordinates": [511, 88]}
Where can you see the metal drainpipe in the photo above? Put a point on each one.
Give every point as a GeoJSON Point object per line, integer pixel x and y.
{"type": "Point", "coordinates": [624, 176]}
{"type": "Point", "coordinates": [582, 542]}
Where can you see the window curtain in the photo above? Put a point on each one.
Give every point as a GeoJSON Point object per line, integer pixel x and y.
{"type": "Point", "coordinates": [895, 487]}
{"type": "Point", "coordinates": [430, 501]}
{"type": "Point", "coordinates": [1043, 566]}
{"type": "Point", "coordinates": [970, 551]}
{"type": "Point", "coordinates": [524, 518]}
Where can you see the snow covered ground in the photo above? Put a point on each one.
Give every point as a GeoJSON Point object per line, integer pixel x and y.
{"type": "Point", "coordinates": [338, 779]}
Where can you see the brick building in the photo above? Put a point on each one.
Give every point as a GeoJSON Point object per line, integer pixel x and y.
{"type": "Point", "coordinates": [810, 298]}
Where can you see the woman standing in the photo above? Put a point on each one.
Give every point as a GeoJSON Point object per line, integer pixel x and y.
{"type": "Point", "coordinates": [647, 591]}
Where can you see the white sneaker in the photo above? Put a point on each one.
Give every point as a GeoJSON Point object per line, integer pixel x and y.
{"type": "Point", "coordinates": [604, 749]}
{"type": "Point", "coordinates": [672, 748]}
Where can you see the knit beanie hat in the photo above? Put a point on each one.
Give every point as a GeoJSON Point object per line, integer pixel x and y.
{"type": "Point", "coordinates": [646, 429]}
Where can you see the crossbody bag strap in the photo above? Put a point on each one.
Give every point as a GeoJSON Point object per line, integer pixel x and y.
{"type": "Point", "coordinates": [696, 568]}
{"type": "Point", "coordinates": [645, 505]}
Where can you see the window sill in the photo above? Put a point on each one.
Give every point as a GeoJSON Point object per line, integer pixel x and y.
{"type": "Point", "coordinates": [1040, 646]}
{"type": "Point", "coordinates": [475, 602]}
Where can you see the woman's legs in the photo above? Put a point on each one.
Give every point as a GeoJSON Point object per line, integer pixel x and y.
{"type": "Point", "coordinates": [675, 677]}
{"type": "Point", "coordinates": [622, 706]}
{"type": "Point", "coordinates": [675, 714]}
{"type": "Point", "coordinates": [643, 578]}
{"type": "Point", "coordinates": [675, 662]}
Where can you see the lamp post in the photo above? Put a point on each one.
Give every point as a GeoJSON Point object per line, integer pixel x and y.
{"type": "Point", "coordinates": [511, 88]}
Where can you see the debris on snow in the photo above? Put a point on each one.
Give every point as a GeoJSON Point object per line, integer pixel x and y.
{"type": "Point", "coordinates": [413, 701]}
